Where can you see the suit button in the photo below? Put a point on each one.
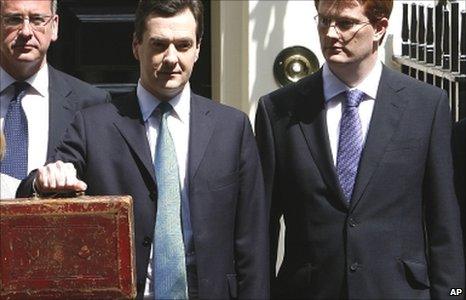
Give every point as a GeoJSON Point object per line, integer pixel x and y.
{"type": "Point", "coordinates": [352, 222]}
{"type": "Point", "coordinates": [147, 241]}
{"type": "Point", "coordinates": [354, 267]}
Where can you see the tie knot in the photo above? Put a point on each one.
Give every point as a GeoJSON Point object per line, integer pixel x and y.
{"type": "Point", "coordinates": [354, 97]}
{"type": "Point", "coordinates": [164, 107]}
{"type": "Point", "coordinates": [20, 89]}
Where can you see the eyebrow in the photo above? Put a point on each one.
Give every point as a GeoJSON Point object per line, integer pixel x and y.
{"type": "Point", "coordinates": [20, 15]}
{"type": "Point", "coordinates": [157, 38]}
{"type": "Point", "coordinates": [335, 17]}
{"type": "Point", "coordinates": [161, 38]}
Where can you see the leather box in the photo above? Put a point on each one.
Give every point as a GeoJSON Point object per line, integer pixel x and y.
{"type": "Point", "coordinates": [69, 248]}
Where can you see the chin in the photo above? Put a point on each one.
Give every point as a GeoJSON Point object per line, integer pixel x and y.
{"type": "Point", "coordinates": [334, 59]}
{"type": "Point", "coordinates": [26, 57]}
{"type": "Point", "coordinates": [173, 84]}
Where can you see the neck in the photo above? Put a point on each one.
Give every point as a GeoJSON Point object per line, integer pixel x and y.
{"type": "Point", "coordinates": [353, 73]}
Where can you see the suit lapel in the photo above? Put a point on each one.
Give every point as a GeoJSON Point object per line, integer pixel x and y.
{"type": "Point", "coordinates": [201, 129]}
{"type": "Point", "coordinates": [387, 113]}
{"type": "Point", "coordinates": [60, 108]}
{"type": "Point", "coordinates": [131, 127]}
{"type": "Point", "coordinates": [310, 111]}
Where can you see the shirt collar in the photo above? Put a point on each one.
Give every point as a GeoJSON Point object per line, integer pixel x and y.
{"type": "Point", "coordinates": [39, 81]}
{"type": "Point", "coordinates": [334, 86]}
{"type": "Point", "coordinates": [148, 103]}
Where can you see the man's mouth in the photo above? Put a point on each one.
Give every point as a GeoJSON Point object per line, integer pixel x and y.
{"type": "Point", "coordinates": [24, 47]}
{"type": "Point", "coordinates": [334, 48]}
{"type": "Point", "coordinates": [169, 73]}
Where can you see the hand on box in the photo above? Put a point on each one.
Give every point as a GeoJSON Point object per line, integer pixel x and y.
{"type": "Point", "coordinates": [58, 177]}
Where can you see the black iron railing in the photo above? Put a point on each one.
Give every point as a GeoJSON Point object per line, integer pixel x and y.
{"type": "Point", "coordinates": [434, 49]}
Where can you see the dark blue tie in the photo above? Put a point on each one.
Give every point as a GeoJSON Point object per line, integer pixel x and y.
{"type": "Point", "coordinates": [15, 162]}
{"type": "Point", "coordinates": [169, 263]}
{"type": "Point", "coordinates": [350, 143]}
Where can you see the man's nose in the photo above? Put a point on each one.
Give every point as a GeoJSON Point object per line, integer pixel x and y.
{"type": "Point", "coordinates": [25, 29]}
{"type": "Point", "coordinates": [171, 55]}
{"type": "Point", "coordinates": [332, 31]}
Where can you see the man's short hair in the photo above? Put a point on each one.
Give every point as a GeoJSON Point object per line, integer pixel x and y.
{"type": "Point", "coordinates": [374, 9]}
{"type": "Point", "coordinates": [168, 8]}
{"type": "Point", "coordinates": [54, 6]}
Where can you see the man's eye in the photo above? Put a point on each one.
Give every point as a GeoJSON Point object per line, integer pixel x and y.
{"type": "Point", "coordinates": [37, 20]}
{"type": "Point", "coordinates": [324, 21]}
{"type": "Point", "coordinates": [158, 45]}
{"type": "Point", "coordinates": [13, 20]}
{"type": "Point", "coordinates": [345, 25]}
{"type": "Point", "coordinates": [183, 46]}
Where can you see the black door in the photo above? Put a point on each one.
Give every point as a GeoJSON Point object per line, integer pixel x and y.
{"type": "Point", "coordinates": [94, 44]}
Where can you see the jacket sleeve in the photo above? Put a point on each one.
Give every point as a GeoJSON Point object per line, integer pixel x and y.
{"type": "Point", "coordinates": [442, 214]}
{"type": "Point", "coordinates": [266, 145]}
{"type": "Point", "coordinates": [251, 244]}
{"type": "Point", "coordinates": [72, 149]}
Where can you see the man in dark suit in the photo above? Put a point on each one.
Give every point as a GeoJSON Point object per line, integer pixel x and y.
{"type": "Point", "coordinates": [49, 98]}
{"type": "Point", "coordinates": [356, 158]}
{"type": "Point", "coordinates": [210, 181]}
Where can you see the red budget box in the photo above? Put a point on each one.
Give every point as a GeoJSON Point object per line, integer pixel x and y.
{"type": "Point", "coordinates": [73, 248]}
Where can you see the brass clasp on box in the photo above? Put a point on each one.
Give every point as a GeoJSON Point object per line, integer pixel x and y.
{"type": "Point", "coordinates": [294, 63]}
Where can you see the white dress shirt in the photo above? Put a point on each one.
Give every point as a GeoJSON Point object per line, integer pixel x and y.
{"type": "Point", "coordinates": [8, 186]}
{"type": "Point", "coordinates": [36, 107]}
{"type": "Point", "coordinates": [334, 97]}
{"type": "Point", "coordinates": [178, 124]}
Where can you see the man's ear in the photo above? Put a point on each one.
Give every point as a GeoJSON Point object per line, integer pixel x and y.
{"type": "Point", "coordinates": [380, 29]}
{"type": "Point", "coordinates": [135, 46]}
{"type": "Point", "coordinates": [55, 22]}
{"type": "Point", "coordinates": [198, 50]}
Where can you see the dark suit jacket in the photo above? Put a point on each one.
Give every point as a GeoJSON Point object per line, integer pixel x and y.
{"type": "Point", "coordinates": [67, 95]}
{"type": "Point", "coordinates": [459, 159]}
{"type": "Point", "coordinates": [400, 236]}
{"type": "Point", "coordinates": [229, 217]}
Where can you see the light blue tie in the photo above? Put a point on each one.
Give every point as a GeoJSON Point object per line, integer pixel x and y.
{"type": "Point", "coordinates": [350, 143]}
{"type": "Point", "coordinates": [169, 264]}
{"type": "Point", "coordinates": [15, 128]}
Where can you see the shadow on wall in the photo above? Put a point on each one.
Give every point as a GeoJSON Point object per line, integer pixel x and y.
{"type": "Point", "coordinates": [269, 41]}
